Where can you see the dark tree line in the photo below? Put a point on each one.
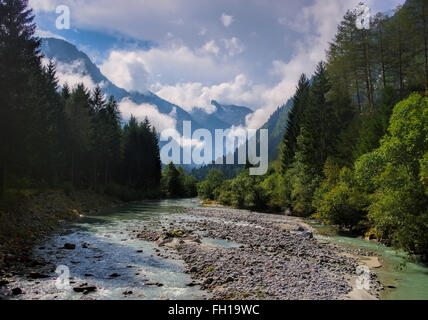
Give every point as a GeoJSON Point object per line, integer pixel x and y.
{"type": "Point", "coordinates": [64, 137]}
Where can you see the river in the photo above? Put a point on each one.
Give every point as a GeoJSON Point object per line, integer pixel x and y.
{"type": "Point", "coordinates": [123, 267]}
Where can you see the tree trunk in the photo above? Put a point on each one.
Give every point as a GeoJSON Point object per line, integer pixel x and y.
{"type": "Point", "coordinates": [358, 96]}
{"type": "Point", "coordinates": [368, 74]}
{"type": "Point", "coordinates": [382, 56]}
{"type": "Point", "coordinates": [400, 63]}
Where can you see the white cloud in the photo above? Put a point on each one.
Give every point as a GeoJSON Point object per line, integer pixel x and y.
{"type": "Point", "coordinates": [240, 91]}
{"type": "Point", "coordinates": [211, 47]}
{"type": "Point", "coordinates": [234, 46]}
{"type": "Point", "coordinates": [47, 34]}
{"type": "Point", "coordinates": [227, 20]}
{"type": "Point", "coordinates": [194, 71]}
{"type": "Point", "coordinates": [43, 5]}
{"type": "Point", "coordinates": [73, 74]}
{"type": "Point", "coordinates": [140, 111]}
{"type": "Point", "coordinates": [323, 16]}
{"type": "Point", "coordinates": [133, 70]}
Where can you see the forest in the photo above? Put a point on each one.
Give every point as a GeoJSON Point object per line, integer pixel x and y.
{"type": "Point", "coordinates": [355, 149]}
{"type": "Point", "coordinates": [69, 138]}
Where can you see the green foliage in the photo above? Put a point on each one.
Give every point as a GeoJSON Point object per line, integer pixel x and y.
{"type": "Point", "coordinates": [294, 122]}
{"type": "Point", "coordinates": [274, 188]}
{"type": "Point", "coordinates": [387, 185]}
{"type": "Point", "coordinates": [339, 201]}
{"type": "Point", "coordinates": [209, 189]}
{"type": "Point", "coordinates": [245, 192]}
{"type": "Point", "coordinates": [399, 204]}
{"type": "Point", "coordinates": [177, 184]}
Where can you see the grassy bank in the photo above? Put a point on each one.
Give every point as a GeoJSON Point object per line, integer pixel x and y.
{"type": "Point", "coordinates": [28, 215]}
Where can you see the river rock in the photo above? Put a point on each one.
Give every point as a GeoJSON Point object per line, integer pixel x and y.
{"type": "Point", "coordinates": [69, 246]}
{"type": "Point", "coordinates": [85, 288]}
{"type": "Point", "coordinates": [3, 282]}
{"type": "Point", "coordinates": [307, 235]}
{"type": "Point", "coordinates": [16, 291]}
{"type": "Point", "coordinates": [158, 284]}
{"type": "Point", "coordinates": [37, 275]}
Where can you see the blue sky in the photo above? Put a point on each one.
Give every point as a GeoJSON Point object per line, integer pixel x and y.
{"type": "Point", "coordinates": [245, 52]}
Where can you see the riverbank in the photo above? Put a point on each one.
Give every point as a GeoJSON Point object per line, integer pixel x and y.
{"type": "Point", "coordinates": [261, 256]}
{"type": "Point", "coordinates": [32, 217]}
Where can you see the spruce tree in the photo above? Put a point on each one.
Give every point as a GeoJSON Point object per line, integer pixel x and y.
{"type": "Point", "coordinates": [289, 142]}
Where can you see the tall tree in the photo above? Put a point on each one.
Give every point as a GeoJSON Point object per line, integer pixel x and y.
{"type": "Point", "coordinates": [20, 61]}
{"type": "Point", "coordinates": [289, 142]}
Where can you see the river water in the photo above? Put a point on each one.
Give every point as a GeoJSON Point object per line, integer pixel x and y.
{"type": "Point", "coordinates": [402, 279]}
{"type": "Point", "coordinates": [106, 257]}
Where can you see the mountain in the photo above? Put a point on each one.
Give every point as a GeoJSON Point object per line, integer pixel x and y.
{"type": "Point", "coordinates": [222, 118]}
{"type": "Point", "coordinates": [66, 53]}
{"type": "Point", "coordinates": [276, 125]}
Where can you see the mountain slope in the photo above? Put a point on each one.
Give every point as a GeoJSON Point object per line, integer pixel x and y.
{"type": "Point", "coordinates": [276, 125]}
{"type": "Point", "coordinates": [224, 117]}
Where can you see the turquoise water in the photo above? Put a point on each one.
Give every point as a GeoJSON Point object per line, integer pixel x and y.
{"type": "Point", "coordinates": [104, 248]}
{"type": "Point", "coordinates": [409, 279]}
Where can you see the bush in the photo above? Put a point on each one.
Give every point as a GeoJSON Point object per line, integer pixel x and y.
{"type": "Point", "coordinates": [342, 203]}
{"type": "Point", "coordinates": [274, 188]}
{"type": "Point", "coordinates": [210, 188]}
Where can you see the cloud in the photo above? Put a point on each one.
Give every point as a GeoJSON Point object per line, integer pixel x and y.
{"type": "Point", "coordinates": [322, 16]}
{"type": "Point", "coordinates": [190, 70]}
{"type": "Point", "coordinates": [240, 91]}
{"type": "Point", "coordinates": [43, 5]}
{"type": "Point", "coordinates": [47, 34]}
{"type": "Point", "coordinates": [134, 70]}
{"type": "Point", "coordinates": [140, 111]}
{"type": "Point", "coordinates": [234, 46]}
{"type": "Point", "coordinates": [227, 20]}
{"type": "Point", "coordinates": [211, 47]}
{"type": "Point", "coordinates": [73, 74]}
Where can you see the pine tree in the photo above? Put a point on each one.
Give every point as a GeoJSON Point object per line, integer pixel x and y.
{"type": "Point", "coordinates": [79, 133]}
{"type": "Point", "coordinates": [289, 142]}
{"type": "Point", "coordinates": [20, 61]}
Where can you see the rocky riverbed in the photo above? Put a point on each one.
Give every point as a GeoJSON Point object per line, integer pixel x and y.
{"type": "Point", "coordinates": [260, 256]}
{"type": "Point", "coordinates": [175, 249]}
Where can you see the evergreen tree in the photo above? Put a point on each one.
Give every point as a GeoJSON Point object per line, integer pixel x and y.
{"type": "Point", "coordinates": [289, 142]}
{"type": "Point", "coordinates": [20, 62]}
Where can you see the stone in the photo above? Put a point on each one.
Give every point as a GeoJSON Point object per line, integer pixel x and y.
{"type": "Point", "coordinates": [158, 284]}
{"type": "Point", "coordinates": [69, 246]}
{"type": "Point", "coordinates": [38, 275]}
{"type": "Point", "coordinates": [16, 291]}
{"type": "Point", "coordinates": [307, 235]}
{"type": "Point", "coordinates": [85, 289]}
{"type": "Point", "coordinates": [3, 282]}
